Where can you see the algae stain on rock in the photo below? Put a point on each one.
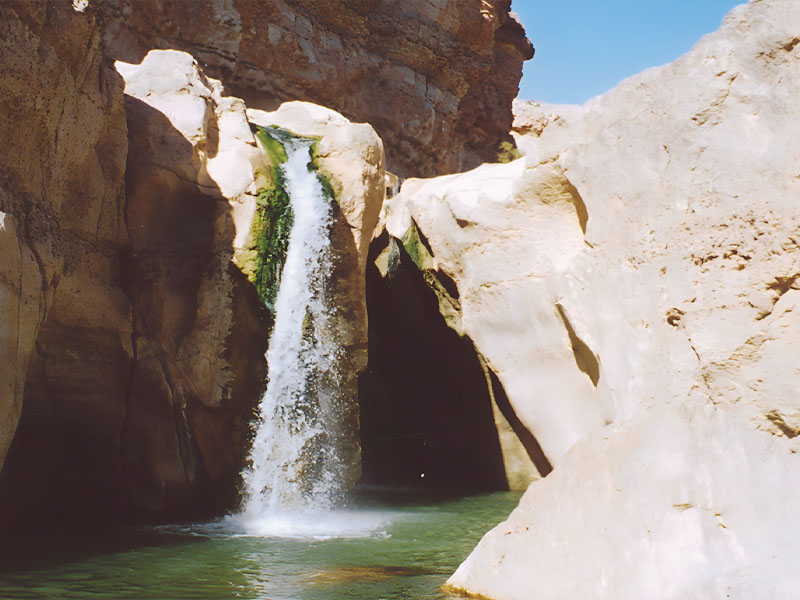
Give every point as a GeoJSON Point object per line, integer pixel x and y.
{"type": "Point", "coordinates": [264, 255]}
{"type": "Point", "coordinates": [268, 240]}
{"type": "Point", "coordinates": [418, 249]}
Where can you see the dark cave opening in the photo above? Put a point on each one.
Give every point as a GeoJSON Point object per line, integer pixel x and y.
{"type": "Point", "coordinates": [427, 422]}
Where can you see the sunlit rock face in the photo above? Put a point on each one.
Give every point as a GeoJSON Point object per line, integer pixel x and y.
{"type": "Point", "coordinates": [435, 78]}
{"type": "Point", "coordinates": [678, 503]}
{"type": "Point", "coordinates": [640, 265]}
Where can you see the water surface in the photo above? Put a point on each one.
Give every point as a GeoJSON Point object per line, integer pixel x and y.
{"type": "Point", "coordinates": [387, 552]}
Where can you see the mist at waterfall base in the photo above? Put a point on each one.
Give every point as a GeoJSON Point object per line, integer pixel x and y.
{"type": "Point", "coordinates": [424, 543]}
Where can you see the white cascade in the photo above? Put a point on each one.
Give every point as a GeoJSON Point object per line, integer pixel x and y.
{"type": "Point", "coordinates": [294, 467]}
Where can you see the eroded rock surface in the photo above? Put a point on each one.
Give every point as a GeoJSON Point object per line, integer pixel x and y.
{"type": "Point", "coordinates": [674, 504]}
{"type": "Point", "coordinates": [435, 78]}
{"type": "Point", "coordinates": [642, 255]}
{"type": "Point", "coordinates": [65, 327]}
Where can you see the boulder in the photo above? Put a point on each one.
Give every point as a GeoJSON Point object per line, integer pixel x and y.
{"type": "Point", "coordinates": [641, 258]}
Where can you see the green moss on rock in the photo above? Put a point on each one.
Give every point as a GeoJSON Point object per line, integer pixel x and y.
{"type": "Point", "coordinates": [268, 241]}
{"type": "Point", "coordinates": [507, 152]}
{"type": "Point", "coordinates": [272, 144]}
{"type": "Point", "coordinates": [272, 225]}
{"type": "Point", "coordinates": [420, 253]}
{"type": "Point", "coordinates": [417, 248]}
{"type": "Point", "coordinates": [272, 222]}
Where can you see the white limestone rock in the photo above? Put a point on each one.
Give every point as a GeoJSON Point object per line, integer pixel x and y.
{"type": "Point", "coordinates": [677, 504]}
{"type": "Point", "coordinates": [643, 258]}
{"type": "Point", "coordinates": [216, 125]}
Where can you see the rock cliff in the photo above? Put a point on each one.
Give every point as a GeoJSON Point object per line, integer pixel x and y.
{"type": "Point", "coordinates": [632, 281]}
{"type": "Point", "coordinates": [132, 333]}
{"type": "Point", "coordinates": [66, 323]}
{"type": "Point", "coordinates": [428, 75]}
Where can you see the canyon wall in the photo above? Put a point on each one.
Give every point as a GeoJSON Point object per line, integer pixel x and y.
{"type": "Point", "coordinates": [131, 333]}
{"type": "Point", "coordinates": [66, 323]}
{"type": "Point", "coordinates": [434, 78]}
{"type": "Point", "coordinates": [633, 283]}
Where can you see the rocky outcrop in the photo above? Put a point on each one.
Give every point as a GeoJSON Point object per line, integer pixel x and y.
{"type": "Point", "coordinates": [637, 271]}
{"type": "Point", "coordinates": [199, 333]}
{"type": "Point", "coordinates": [435, 78]}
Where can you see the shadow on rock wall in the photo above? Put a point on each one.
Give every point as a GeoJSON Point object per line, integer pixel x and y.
{"type": "Point", "coordinates": [426, 413]}
{"type": "Point", "coordinates": [155, 426]}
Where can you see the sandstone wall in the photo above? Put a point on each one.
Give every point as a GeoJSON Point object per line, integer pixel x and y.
{"type": "Point", "coordinates": [132, 341]}
{"type": "Point", "coordinates": [116, 352]}
{"type": "Point", "coordinates": [65, 323]}
{"type": "Point", "coordinates": [434, 78]}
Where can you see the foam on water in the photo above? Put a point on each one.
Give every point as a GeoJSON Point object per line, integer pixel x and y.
{"type": "Point", "coordinates": [321, 525]}
{"type": "Point", "coordinates": [298, 525]}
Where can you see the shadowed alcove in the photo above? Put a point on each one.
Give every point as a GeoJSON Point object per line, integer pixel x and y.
{"type": "Point", "coordinates": [426, 416]}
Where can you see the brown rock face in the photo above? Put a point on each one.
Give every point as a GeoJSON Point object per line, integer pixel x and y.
{"type": "Point", "coordinates": [117, 299]}
{"type": "Point", "coordinates": [428, 75]}
{"type": "Point", "coordinates": [197, 329]}
{"type": "Point", "coordinates": [61, 189]}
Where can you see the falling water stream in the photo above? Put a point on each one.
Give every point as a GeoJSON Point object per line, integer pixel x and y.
{"type": "Point", "coordinates": [293, 480]}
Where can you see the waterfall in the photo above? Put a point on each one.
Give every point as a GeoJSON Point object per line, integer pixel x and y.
{"type": "Point", "coordinates": [294, 463]}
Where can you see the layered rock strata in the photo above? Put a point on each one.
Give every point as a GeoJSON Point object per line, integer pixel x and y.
{"type": "Point", "coordinates": [633, 284]}
{"type": "Point", "coordinates": [429, 76]}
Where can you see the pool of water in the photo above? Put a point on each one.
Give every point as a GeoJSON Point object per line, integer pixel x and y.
{"type": "Point", "coordinates": [377, 551]}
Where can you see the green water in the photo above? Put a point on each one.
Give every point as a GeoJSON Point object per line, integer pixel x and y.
{"type": "Point", "coordinates": [408, 552]}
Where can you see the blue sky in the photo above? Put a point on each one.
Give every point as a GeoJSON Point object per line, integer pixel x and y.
{"type": "Point", "coordinates": [586, 47]}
